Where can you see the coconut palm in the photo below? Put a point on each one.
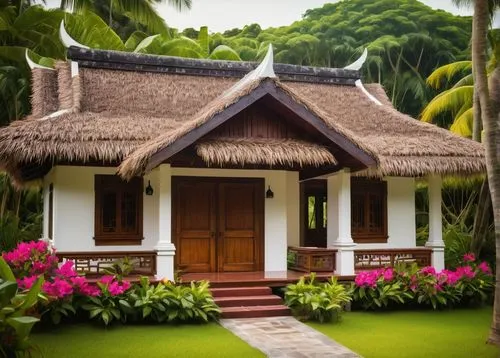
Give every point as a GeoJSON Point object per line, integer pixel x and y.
{"type": "Point", "coordinates": [140, 11]}
{"type": "Point", "coordinates": [488, 102]}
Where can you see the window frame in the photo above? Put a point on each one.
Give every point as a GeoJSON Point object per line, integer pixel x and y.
{"type": "Point", "coordinates": [113, 182]}
{"type": "Point", "coordinates": [366, 186]}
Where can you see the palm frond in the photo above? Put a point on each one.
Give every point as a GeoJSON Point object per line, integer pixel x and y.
{"type": "Point", "coordinates": [451, 100]}
{"type": "Point", "coordinates": [462, 125]}
{"type": "Point", "coordinates": [447, 72]}
{"type": "Point", "coordinates": [142, 12]}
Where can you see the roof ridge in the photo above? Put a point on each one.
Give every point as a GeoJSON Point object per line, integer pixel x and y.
{"type": "Point", "coordinates": [120, 60]}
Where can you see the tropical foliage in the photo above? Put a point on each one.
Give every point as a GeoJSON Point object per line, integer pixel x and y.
{"type": "Point", "coordinates": [312, 300]}
{"type": "Point", "coordinates": [65, 295]}
{"type": "Point", "coordinates": [15, 324]}
{"type": "Point", "coordinates": [409, 286]}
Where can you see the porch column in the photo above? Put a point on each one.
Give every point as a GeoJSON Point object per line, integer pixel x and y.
{"type": "Point", "coordinates": [435, 241]}
{"type": "Point", "coordinates": [339, 221]}
{"type": "Point", "coordinates": [165, 249]}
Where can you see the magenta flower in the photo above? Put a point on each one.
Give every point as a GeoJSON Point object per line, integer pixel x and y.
{"type": "Point", "coordinates": [107, 279]}
{"type": "Point", "coordinates": [67, 270]}
{"type": "Point", "coordinates": [484, 267]}
{"type": "Point", "coordinates": [469, 257]}
{"type": "Point", "coordinates": [388, 274]}
{"type": "Point", "coordinates": [466, 271]}
{"type": "Point", "coordinates": [27, 282]}
{"type": "Point", "coordinates": [59, 288]}
{"type": "Point", "coordinates": [428, 270]}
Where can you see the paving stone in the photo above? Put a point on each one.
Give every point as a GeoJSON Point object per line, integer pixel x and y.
{"type": "Point", "coordinates": [279, 337]}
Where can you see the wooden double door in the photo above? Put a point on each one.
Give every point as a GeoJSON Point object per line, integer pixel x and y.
{"type": "Point", "coordinates": [218, 224]}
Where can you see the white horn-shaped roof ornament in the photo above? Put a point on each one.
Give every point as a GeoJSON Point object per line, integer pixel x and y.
{"type": "Point", "coordinates": [356, 65]}
{"type": "Point", "coordinates": [66, 39]}
{"type": "Point", "coordinates": [32, 64]}
{"type": "Point", "coordinates": [265, 69]}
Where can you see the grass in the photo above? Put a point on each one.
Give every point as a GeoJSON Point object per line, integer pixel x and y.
{"type": "Point", "coordinates": [84, 340]}
{"type": "Point", "coordinates": [458, 333]}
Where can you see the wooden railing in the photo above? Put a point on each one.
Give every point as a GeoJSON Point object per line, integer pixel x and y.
{"type": "Point", "coordinates": [92, 263]}
{"type": "Point", "coordinates": [373, 259]}
{"type": "Point", "coordinates": [311, 259]}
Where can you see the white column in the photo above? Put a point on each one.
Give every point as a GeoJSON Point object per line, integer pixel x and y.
{"type": "Point", "coordinates": [339, 221]}
{"type": "Point", "coordinates": [165, 249]}
{"type": "Point", "coordinates": [435, 222]}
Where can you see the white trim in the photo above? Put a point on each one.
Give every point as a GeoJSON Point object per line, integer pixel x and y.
{"type": "Point", "coordinates": [67, 40]}
{"type": "Point", "coordinates": [372, 98]}
{"type": "Point", "coordinates": [32, 64]}
{"type": "Point", "coordinates": [356, 65]}
{"type": "Point", "coordinates": [74, 69]}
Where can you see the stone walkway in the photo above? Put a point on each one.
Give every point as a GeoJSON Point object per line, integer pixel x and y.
{"type": "Point", "coordinates": [286, 337]}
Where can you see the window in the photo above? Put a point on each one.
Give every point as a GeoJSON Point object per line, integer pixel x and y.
{"type": "Point", "coordinates": [118, 211]}
{"type": "Point", "coordinates": [368, 210]}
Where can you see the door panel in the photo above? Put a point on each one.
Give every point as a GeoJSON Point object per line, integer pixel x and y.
{"type": "Point", "coordinates": [239, 240]}
{"type": "Point", "coordinates": [195, 226]}
{"type": "Point", "coordinates": [218, 224]}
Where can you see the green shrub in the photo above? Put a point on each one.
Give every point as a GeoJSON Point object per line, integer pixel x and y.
{"type": "Point", "coordinates": [311, 300]}
{"type": "Point", "coordinates": [15, 325]}
{"type": "Point", "coordinates": [167, 302]}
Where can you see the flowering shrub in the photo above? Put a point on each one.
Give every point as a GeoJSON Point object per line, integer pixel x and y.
{"type": "Point", "coordinates": [111, 298]}
{"type": "Point", "coordinates": [468, 284]}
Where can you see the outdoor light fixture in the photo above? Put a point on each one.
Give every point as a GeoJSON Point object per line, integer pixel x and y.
{"type": "Point", "coordinates": [149, 189]}
{"type": "Point", "coordinates": [269, 193]}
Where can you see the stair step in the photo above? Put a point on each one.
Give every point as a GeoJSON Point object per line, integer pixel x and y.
{"type": "Point", "coordinates": [255, 311]}
{"type": "Point", "coordinates": [243, 301]}
{"type": "Point", "coordinates": [241, 291]}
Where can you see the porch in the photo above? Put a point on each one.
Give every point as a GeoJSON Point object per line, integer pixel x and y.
{"type": "Point", "coordinates": [303, 262]}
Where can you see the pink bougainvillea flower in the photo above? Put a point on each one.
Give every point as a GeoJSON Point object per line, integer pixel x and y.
{"type": "Point", "coordinates": [388, 274]}
{"type": "Point", "coordinates": [469, 257]}
{"type": "Point", "coordinates": [466, 271]}
{"type": "Point", "coordinates": [59, 288]}
{"type": "Point", "coordinates": [27, 282]}
{"type": "Point", "coordinates": [428, 270]}
{"type": "Point", "coordinates": [67, 269]}
{"type": "Point", "coordinates": [107, 279]}
{"type": "Point", "coordinates": [484, 267]}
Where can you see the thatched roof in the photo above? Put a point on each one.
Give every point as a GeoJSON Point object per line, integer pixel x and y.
{"type": "Point", "coordinates": [283, 152]}
{"type": "Point", "coordinates": [112, 115]}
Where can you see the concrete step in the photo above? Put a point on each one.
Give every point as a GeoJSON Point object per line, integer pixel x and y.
{"type": "Point", "coordinates": [255, 311]}
{"type": "Point", "coordinates": [241, 291]}
{"type": "Point", "coordinates": [241, 301]}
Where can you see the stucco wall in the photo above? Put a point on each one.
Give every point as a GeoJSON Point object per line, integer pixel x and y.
{"type": "Point", "coordinates": [74, 203]}
{"type": "Point", "coordinates": [74, 209]}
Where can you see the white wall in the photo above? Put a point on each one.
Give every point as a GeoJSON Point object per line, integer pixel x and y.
{"type": "Point", "coordinates": [74, 203]}
{"type": "Point", "coordinates": [276, 228]}
{"type": "Point", "coordinates": [401, 224]}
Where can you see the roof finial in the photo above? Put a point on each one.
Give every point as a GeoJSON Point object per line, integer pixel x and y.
{"type": "Point", "coordinates": [265, 69]}
{"type": "Point", "coordinates": [356, 65]}
{"type": "Point", "coordinates": [66, 39]}
{"type": "Point", "coordinates": [32, 64]}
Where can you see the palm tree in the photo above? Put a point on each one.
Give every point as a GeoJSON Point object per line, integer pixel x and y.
{"type": "Point", "coordinates": [489, 117]}
{"type": "Point", "coordinates": [140, 11]}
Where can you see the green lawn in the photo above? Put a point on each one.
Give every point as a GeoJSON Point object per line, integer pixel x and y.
{"type": "Point", "coordinates": [458, 333]}
{"type": "Point", "coordinates": [210, 340]}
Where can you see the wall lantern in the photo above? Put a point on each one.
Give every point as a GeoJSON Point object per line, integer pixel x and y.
{"type": "Point", "coordinates": [149, 189]}
{"type": "Point", "coordinates": [269, 193]}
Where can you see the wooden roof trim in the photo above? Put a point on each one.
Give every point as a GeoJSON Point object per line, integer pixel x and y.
{"type": "Point", "coordinates": [265, 88]}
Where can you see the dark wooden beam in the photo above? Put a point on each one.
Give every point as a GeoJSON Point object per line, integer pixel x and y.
{"type": "Point", "coordinates": [129, 61]}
